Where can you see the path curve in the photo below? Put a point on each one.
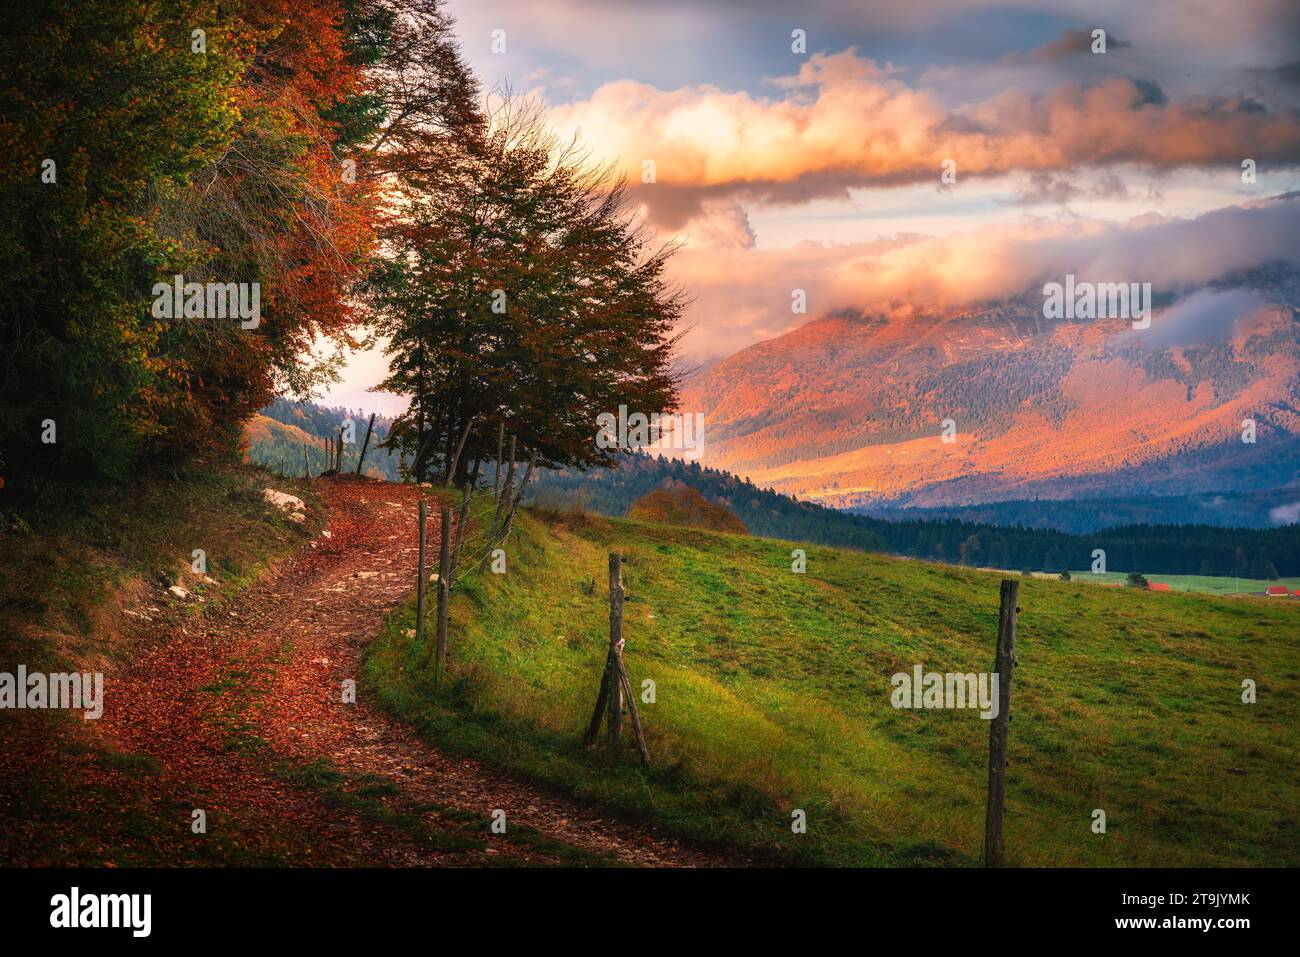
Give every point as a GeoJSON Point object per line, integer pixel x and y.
{"type": "Point", "coordinates": [291, 641]}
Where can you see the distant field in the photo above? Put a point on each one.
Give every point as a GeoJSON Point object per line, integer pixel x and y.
{"type": "Point", "coordinates": [773, 694]}
{"type": "Point", "coordinates": [1199, 583]}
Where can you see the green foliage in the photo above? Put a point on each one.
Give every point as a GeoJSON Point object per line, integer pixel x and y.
{"type": "Point", "coordinates": [112, 94]}
{"type": "Point", "coordinates": [217, 164]}
{"type": "Point", "coordinates": [519, 292]}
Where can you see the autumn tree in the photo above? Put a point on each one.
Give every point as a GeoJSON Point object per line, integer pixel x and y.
{"type": "Point", "coordinates": [521, 291]}
{"type": "Point", "coordinates": [278, 206]}
{"type": "Point", "coordinates": [103, 104]}
{"type": "Point", "coordinates": [215, 141]}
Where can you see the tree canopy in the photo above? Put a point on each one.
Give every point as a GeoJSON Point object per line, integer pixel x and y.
{"type": "Point", "coordinates": [520, 292]}
{"type": "Point", "coordinates": [330, 169]}
{"type": "Point", "coordinates": [236, 143]}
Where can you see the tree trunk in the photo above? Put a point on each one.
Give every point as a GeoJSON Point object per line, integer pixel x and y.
{"type": "Point", "coordinates": [444, 594]}
{"type": "Point", "coordinates": [419, 578]}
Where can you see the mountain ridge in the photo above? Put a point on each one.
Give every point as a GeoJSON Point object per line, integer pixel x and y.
{"type": "Point", "coordinates": [850, 409]}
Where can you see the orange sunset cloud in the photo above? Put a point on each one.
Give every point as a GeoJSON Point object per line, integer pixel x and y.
{"type": "Point", "coordinates": [848, 121]}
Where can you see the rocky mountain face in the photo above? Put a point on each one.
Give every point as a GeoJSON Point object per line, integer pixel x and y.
{"type": "Point", "coordinates": [851, 409]}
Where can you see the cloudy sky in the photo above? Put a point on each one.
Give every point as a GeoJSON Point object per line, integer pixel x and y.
{"type": "Point", "coordinates": [821, 168]}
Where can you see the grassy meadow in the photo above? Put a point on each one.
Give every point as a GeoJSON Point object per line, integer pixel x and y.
{"type": "Point", "coordinates": [772, 693]}
{"type": "Point", "coordinates": [1209, 584]}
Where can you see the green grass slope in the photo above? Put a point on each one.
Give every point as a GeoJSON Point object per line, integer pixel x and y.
{"type": "Point", "coordinates": [773, 694]}
{"type": "Point", "coordinates": [1210, 584]}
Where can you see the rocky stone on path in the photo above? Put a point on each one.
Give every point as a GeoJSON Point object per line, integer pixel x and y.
{"type": "Point", "coordinates": [284, 501]}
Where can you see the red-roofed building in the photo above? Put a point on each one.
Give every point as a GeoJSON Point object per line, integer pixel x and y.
{"type": "Point", "coordinates": [1277, 591]}
{"type": "Point", "coordinates": [1158, 586]}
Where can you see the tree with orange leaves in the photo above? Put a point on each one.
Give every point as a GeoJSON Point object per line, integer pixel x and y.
{"type": "Point", "coordinates": [227, 143]}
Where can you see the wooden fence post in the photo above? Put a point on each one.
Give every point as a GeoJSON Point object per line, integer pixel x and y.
{"type": "Point", "coordinates": [503, 497]}
{"type": "Point", "coordinates": [419, 585]}
{"type": "Point", "coordinates": [602, 699]}
{"type": "Point", "coordinates": [1003, 664]}
{"type": "Point", "coordinates": [462, 522]}
{"type": "Point", "coordinates": [637, 734]}
{"type": "Point", "coordinates": [366, 444]}
{"type": "Point", "coordinates": [444, 593]}
{"type": "Point", "coordinates": [615, 645]}
{"type": "Point", "coordinates": [518, 497]}
{"type": "Point", "coordinates": [615, 686]}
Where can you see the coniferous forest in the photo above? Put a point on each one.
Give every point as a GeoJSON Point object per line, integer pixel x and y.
{"type": "Point", "coordinates": [1157, 549]}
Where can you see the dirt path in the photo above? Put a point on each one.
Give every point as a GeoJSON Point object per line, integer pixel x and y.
{"type": "Point", "coordinates": [226, 702]}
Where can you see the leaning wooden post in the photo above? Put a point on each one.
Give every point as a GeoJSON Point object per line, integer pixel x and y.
{"type": "Point", "coordinates": [364, 445]}
{"type": "Point", "coordinates": [419, 582]}
{"type": "Point", "coordinates": [462, 522]}
{"type": "Point", "coordinates": [306, 463]}
{"type": "Point", "coordinates": [460, 447]}
{"type": "Point", "coordinates": [514, 504]}
{"type": "Point", "coordinates": [615, 646]}
{"type": "Point", "coordinates": [1003, 664]}
{"type": "Point", "coordinates": [637, 734]}
{"type": "Point", "coordinates": [501, 451]}
{"type": "Point", "coordinates": [602, 699]}
{"type": "Point", "coordinates": [444, 593]}
{"type": "Point", "coordinates": [503, 497]}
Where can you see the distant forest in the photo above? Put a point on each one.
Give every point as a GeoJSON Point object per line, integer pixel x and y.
{"type": "Point", "coordinates": [1154, 549]}
{"type": "Point", "coordinates": [1084, 516]}
{"type": "Point", "coordinates": [1159, 549]}
{"type": "Point", "coordinates": [282, 450]}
